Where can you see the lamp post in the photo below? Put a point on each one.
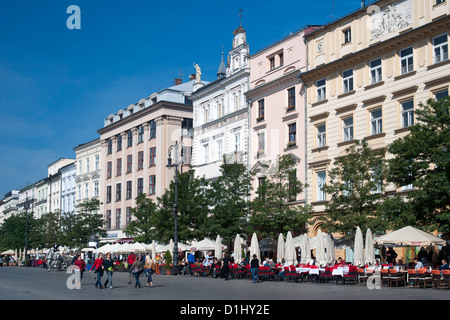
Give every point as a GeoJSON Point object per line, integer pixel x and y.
{"type": "Point", "coordinates": [177, 160]}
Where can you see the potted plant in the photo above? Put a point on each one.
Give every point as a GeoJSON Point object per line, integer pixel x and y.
{"type": "Point", "coordinates": [169, 264]}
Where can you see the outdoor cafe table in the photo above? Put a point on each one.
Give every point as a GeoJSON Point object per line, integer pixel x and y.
{"type": "Point", "coordinates": [340, 271]}
{"type": "Point", "coordinates": [311, 271]}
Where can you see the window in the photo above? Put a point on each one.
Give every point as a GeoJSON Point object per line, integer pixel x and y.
{"type": "Point", "coordinates": [152, 184]}
{"type": "Point", "coordinates": [347, 35]}
{"type": "Point", "coordinates": [291, 99]}
{"type": "Point", "coordinates": [321, 90]}
{"type": "Point", "coordinates": [440, 48]}
{"type": "Point", "coordinates": [129, 163]}
{"type": "Point", "coordinates": [260, 110]}
{"type": "Point", "coordinates": [376, 122]}
{"type": "Point", "coordinates": [152, 156]}
{"type": "Point", "coordinates": [261, 143]}
{"type": "Point", "coordinates": [237, 142]}
{"type": "Point", "coordinates": [321, 136]}
{"type": "Point", "coordinates": [108, 194]}
{"type": "Point", "coordinates": [108, 219]}
{"type": "Point", "coordinates": [219, 150]}
{"type": "Point", "coordinates": [109, 141]}
{"type": "Point", "coordinates": [129, 138]}
{"type": "Point", "coordinates": [347, 128]}
{"type": "Point", "coordinates": [119, 142]}
{"type": "Point", "coordinates": [281, 57]}
{"type": "Point", "coordinates": [96, 189]}
{"type": "Point", "coordinates": [152, 129]}
{"type": "Point", "coordinates": [441, 95]}
{"type": "Point", "coordinates": [407, 114]}
{"type": "Point", "coordinates": [119, 167]}
{"type": "Point", "coordinates": [118, 217]}
{"type": "Point", "coordinates": [271, 63]}
{"type": "Point", "coordinates": [375, 71]}
{"type": "Point", "coordinates": [406, 60]}
{"type": "Point", "coordinates": [440, 1]}
{"type": "Point", "coordinates": [128, 217]}
{"type": "Point", "coordinates": [109, 170]}
{"type": "Point", "coordinates": [129, 190]}
{"type": "Point", "coordinates": [118, 192]}
{"type": "Point", "coordinates": [87, 165]}
{"type": "Point", "coordinates": [140, 186]}
{"type": "Point", "coordinates": [86, 190]}
{"type": "Point", "coordinates": [261, 182]}
{"type": "Point", "coordinates": [292, 134]}
{"type": "Point", "coordinates": [97, 162]}
{"type": "Point", "coordinates": [376, 178]}
{"type": "Point", "coordinates": [347, 77]}
{"type": "Point", "coordinates": [140, 160]}
{"type": "Point", "coordinates": [321, 178]}
{"type": "Point", "coordinates": [140, 134]}
{"type": "Point", "coordinates": [205, 153]}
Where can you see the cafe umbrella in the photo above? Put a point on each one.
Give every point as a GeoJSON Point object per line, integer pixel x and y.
{"type": "Point", "coordinates": [280, 248]}
{"type": "Point", "coordinates": [254, 247]}
{"type": "Point", "coordinates": [358, 248]}
{"type": "Point", "coordinates": [290, 250]}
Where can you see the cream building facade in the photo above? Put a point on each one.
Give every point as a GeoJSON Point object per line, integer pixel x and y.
{"type": "Point", "coordinates": [367, 73]}
{"type": "Point", "coordinates": [134, 149]}
{"type": "Point", "coordinates": [88, 172]}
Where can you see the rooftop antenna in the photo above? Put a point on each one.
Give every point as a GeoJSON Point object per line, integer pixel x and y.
{"type": "Point", "coordinates": [240, 17]}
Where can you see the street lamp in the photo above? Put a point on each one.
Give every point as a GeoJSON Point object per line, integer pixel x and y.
{"type": "Point", "coordinates": [177, 160]}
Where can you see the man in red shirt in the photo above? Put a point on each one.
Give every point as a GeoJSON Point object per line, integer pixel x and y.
{"type": "Point", "coordinates": [130, 260]}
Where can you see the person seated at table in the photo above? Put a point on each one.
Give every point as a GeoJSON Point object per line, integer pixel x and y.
{"type": "Point", "coordinates": [418, 263]}
{"type": "Point", "coordinates": [340, 261]}
{"type": "Point", "coordinates": [282, 274]}
{"type": "Point", "coordinates": [444, 265]}
{"type": "Point", "coordinates": [266, 262]}
{"type": "Point", "coordinates": [272, 264]}
{"type": "Point", "coordinates": [242, 263]}
{"type": "Point", "coordinates": [312, 262]}
{"type": "Point", "coordinates": [213, 270]}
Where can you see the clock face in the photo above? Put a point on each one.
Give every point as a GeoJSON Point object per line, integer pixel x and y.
{"type": "Point", "coordinates": [320, 46]}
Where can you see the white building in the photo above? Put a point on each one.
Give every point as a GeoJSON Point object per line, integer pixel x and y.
{"type": "Point", "coordinates": [54, 177]}
{"type": "Point", "coordinates": [68, 174]}
{"type": "Point", "coordinates": [9, 205]}
{"type": "Point", "coordinates": [87, 171]}
{"type": "Point", "coordinates": [221, 113]}
{"type": "Point", "coordinates": [41, 193]}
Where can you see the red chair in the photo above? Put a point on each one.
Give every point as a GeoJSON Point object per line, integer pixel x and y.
{"type": "Point", "coordinates": [294, 275]}
{"type": "Point", "coordinates": [326, 275]}
{"type": "Point", "coordinates": [351, 276]}
{"type": "Point", "coordinates": [248, 272]}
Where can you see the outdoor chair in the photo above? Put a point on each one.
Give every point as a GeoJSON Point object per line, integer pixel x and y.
{"type": "Point", "coordinates": [412, 278]}
{"type": "Point", "coordinates": [385, 277]}
{"type": "Point", "coordinates": [351, 276]}
{"type": "Point", "coordinates": [248, 272]}
{"type": "Point", "coordinates": [446, 278]}
{"type": "Point", "coordinates": [395, 277]}
{"type": "Point", "coordinates": [423, 278]}
{"type": "Point", "coordinates": [362, 277]}
{"type": "Point", "coordinates": [293, 273]}
{"type": "Point", "coordinates": [437, 281]}
{"type": "Point", "coordinates": [326, 275]}
{"type": "Point", "coordinates": [194, 270]}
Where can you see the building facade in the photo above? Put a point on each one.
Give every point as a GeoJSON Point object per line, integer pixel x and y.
{"type": "Point", "coordinates": [221, 113]}
{"type": "Point", "coordinates": [68, 187]}
{"type": "Point", "coordinates": [55, 183]}
{"type": "Point", "coordinates": [277, 104]}
{"type": "Point", "coordinates": [367, 73]}
{"type": "Point", "coordinates": [134, 150]}
{"type": "Point", "coordinates": [87, 172]}
{"type": "Point", "coordinates": [9, 205]}
{"type": "Point", "coordinates": [42, 193]}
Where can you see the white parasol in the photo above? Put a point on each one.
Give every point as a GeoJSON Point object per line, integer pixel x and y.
{"type": "Point", "coordinates": [289, 250]}
{"type": "Point", "coordinates": [153, 250]}
{"type": "Point", "coordinates": [320, 249]}
{"type": "Point", "coordinates": [237, 249]}
{"type": "Point", "coordinates": [358, 258]}
{"type": "Point", "coordinates": [305, 250]}
{"type": "Point", "coordinates": [369, 251]}
{"type": "Point", "coordinates": [280, 248]}
{"type": "Point", "coordinates": [254, 247]}
{"type": "Point", "coordinates": [218, 248]}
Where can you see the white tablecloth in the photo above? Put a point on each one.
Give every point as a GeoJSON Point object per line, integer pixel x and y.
{"type": "Point", "coordinates": [340, 271]}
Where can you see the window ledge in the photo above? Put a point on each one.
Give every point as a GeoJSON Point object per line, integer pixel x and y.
{"type": "Point", "coordinates": [346, 143]}
{"type": "Point", "coordinates": [439, 64]}
{"type": "Point", "coordinates": [401, 130]}
{"type": "Point", "coordinates": [375, 136]}
{"type": "Point", "coordinates": [319, 102]}
{"type": "Point", "coordinates": [291, 148]}
{"type": "Point", "coordinates": [374, 85]}
{"type": "Point", "coordinates": [405, 75]}
{"type": "Point", "coordinates": [319, 149]}
{"type": "Point", "coordinates": [346, 94]}
{"type": "Point", "coordinates": [319, 203]}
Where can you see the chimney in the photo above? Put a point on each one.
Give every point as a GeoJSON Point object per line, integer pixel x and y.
{"type": "Point", "coordinates": [192, 77]}
{"type": "Point", "coordinates": [178, 81]}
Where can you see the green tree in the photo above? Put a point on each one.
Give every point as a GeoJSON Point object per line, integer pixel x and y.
{"type": "Point", "coordinates": [421, 159]}
{"type": "Point", "coordinates": [12, 231]}
{"type": "Point", "coordinates": [192, 209]}
{"type": "Point", "coordinates": [86, 222]}
{"type": "Point", "coordinates": [274, 210]}
{"type": "Point", "coordinates": [228, 197]}
{"type": "Point", "coordinates": [49, 229]}
{"type": "Point", "coordinates": [355, 190]}
{"type": "Point", "coordinates": [142, 227]}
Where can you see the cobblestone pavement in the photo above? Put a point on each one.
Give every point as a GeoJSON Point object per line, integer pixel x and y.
{"type": "Point", "coordinates": [18, 283]}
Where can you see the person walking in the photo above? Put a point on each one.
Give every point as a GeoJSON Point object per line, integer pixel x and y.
{"type": "Point", "coordinates": [148, 266]}
{"type": "Point", "coordinates": [226, 266]}
{"type": "Point", "coordinates": [108, 265]}
{"type": "Point", "coordinates": [98, 267]}
{"type": "Point", "coordinates": [137, 269]}
{"type": "Point", "coordinates": [254, 265]}
{"type": "Point", "coordinates": [80, 265]}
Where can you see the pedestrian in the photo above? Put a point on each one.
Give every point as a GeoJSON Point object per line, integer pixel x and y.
{"type": "Point", "coordinates": [226, 266]}
{"type": "Point", "coordinates": [136, 268]}
{"type": "Point", "coordinates": [130, 260]}
{"type": "Point", "coordinates": [391, 255]}
{"type": "Point", "coordinates": [423, 255]}
{"type": "Point", "coordinates": [98, 267]}
{"type": "Point", "coordinates": [254, 265]}
{"type": "Point", "coordinates": [191, 261]}
{"type": "Point", "coordinates": [108, 265]}
{"type": "Point", "coordinates": [80, 265]}
{"type": "Point", "coordinates": [148, 266]}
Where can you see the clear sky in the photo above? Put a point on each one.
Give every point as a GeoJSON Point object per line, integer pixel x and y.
{"type": "Point", "coordinates": [58, 85]}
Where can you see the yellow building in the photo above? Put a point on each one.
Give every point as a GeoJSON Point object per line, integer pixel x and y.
{"type": "Point", "coordinates": [367, 72]}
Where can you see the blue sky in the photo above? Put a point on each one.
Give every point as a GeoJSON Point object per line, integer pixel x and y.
{"type": "Point", "coordinates": [57, 85]}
